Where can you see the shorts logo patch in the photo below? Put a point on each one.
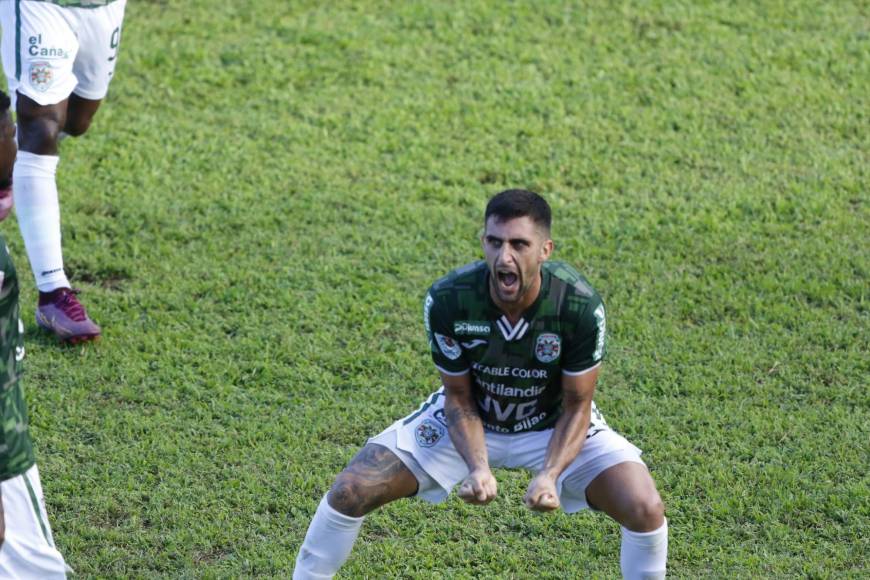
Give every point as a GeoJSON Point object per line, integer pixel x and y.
{"type": "Point", "coordinates": [41, 76]}
{"type": "Point", "coordinates": [448, 346]}
{"type": "Point", "coordinates": [548, 347]}
{"type": "Point", "coordinates": [428, 433]}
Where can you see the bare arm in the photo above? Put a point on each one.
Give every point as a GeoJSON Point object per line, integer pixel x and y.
{"type": "Point", "coordinates": [466, 432]}
{"type": "Point", "coordinates": [567, 441]}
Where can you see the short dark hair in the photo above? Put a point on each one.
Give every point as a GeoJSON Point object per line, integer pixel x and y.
{"type": "Point", "coordinates": [5, 102]}
{"type": "Point", "coordinates": [516, 203]}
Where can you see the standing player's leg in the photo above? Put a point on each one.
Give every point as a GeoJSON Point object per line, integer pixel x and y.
{"type": "Point", "coordinates": [627, 493]}
{"type": "Point", "coordinates": [374, 477]}
{"type": "Point", "coordinates": [38, 208]}
{"type": "Point", "coordinates": [40, 129]}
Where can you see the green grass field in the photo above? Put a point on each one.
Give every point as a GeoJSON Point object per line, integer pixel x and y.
{"type": "Point", "coordinates": [271, 186]}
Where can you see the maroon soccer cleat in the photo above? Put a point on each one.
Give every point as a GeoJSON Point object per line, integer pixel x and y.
{"type": "Point", "coordinates": [60, 312]}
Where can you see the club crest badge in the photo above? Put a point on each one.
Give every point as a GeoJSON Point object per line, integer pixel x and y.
{"type": "Point", "coordinates": [548, 347]}
{"type": "Point", "coordinates": [448, 346]}
{"type": "Point", "coordinates": [41, 76]}
{"type": "Point", "coordinates": [428, 433]}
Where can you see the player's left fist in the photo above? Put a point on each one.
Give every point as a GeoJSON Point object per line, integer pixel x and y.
{"type": "Point", "coordinates": [542, 495]}
{"type": "Point", "coordinates": [5, 202]}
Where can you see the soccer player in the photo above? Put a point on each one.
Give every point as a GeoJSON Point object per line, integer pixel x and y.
{"type": "Point", "coordinates": [59, 56]}
{"type": "Point", "coordinates": [518, 341]}
{"type": "Point", "coordinates": [26, 546]}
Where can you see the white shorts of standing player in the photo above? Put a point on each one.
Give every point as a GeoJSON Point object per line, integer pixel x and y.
{"type": "Point", "coordinates": [28, 550]}
{"type": "Point", "coordinates": [50, 51]}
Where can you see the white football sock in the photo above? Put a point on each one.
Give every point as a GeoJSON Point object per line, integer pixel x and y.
{"type": "Point", "coordinates": [327, 544]}
{"type": "Point", "coordinates": [644, 555]}
{"type": "Point", "coordinates": [38, 210]}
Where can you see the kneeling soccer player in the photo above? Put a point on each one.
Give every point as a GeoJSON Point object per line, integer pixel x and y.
{"type": "Point", "coordinates": [518, 341]}
{"type": "Point", "coordinates": [26, 545]}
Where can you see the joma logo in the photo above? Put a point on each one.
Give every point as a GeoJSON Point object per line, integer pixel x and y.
{"type": "Point", "coordinates": [472, 327]}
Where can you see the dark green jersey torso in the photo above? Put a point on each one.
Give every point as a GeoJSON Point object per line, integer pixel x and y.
{"type": "Point", "coordinates": [516, 369]}
{"type": "Point", "coordinates": [16, 448]}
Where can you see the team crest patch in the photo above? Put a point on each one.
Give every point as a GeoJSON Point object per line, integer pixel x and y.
{"type": "Point", "coordinates": [548, 347]}
{"type": "Point", "coordinates": [428, 433]}
{"type": "Point", "coordinates": [41, 76]}
{"type": "Point", "coordinates": [448, 346]}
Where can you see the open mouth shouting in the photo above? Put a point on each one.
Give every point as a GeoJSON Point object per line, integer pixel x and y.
{"type": "Point", "coordinates": [507, 283]}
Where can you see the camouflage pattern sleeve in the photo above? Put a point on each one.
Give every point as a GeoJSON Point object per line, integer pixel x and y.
{"type": "Point", "coordinates": [16, 448]}
{"type": "Point", "coordinates": [585, 346]}
{"type": "Point", "coordinates": [447, 354]}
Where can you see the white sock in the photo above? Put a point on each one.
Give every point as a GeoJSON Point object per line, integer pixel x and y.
{"type": "Point", "coordinates": [644, 555]}
{"type": "Point", "coordinates": [38, 210]}
{"type": "Point", "coordinates": [327, 544]}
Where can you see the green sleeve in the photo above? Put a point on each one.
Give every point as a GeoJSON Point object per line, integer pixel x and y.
{"type": "Point", "coordinates": [447, 353]}
{"type": "Point", "coordinates": [584, 348]}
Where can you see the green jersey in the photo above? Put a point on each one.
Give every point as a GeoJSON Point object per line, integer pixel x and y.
{"type": "Point", "coordinates": [16, 448]}
{"type": "Point", "coordinates": [516, 369]}
{"type": "Point", "coordinates": [79, 3]}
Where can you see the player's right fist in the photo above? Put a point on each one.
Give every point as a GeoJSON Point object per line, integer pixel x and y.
{"type": "Point", "coordinates": [479, 488]}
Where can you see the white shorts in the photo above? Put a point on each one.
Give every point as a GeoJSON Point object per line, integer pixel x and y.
{"type": "Point", "coordinates": [421, 441]}
{"type": "Point", "coordinates": [28, 549]}
{"type": "Point", "coordinates": [50, 51]}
